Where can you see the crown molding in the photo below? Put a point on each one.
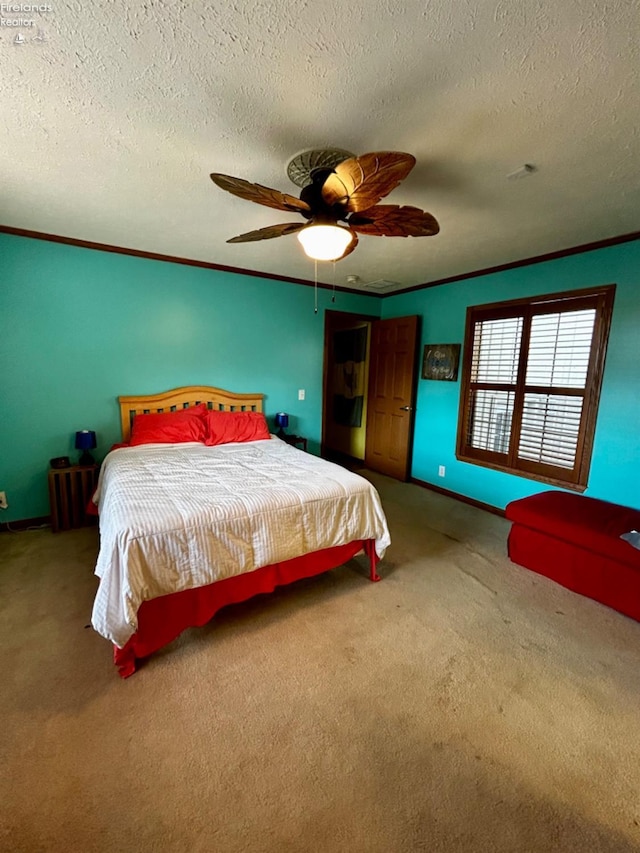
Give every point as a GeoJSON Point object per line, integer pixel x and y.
{"type": "Point", "coordinates": [174, 259]}
{"type": "Point", "coordinates": [525, 262]}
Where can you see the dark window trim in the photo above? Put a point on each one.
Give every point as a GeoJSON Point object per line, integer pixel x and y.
{"type": "Point", "coordinates": [602, 298]}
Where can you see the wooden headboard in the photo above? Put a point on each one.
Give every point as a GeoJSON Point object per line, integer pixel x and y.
{"type": "Point", "coordinates": [182, 398]}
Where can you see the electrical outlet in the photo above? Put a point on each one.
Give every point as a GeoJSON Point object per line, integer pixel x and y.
{"type": "Point", "coordinates": [301, 394]}
{"type": "Point", "coordinates": [441, 470]}
{"type": "Point", "coordinates": [3, 501]}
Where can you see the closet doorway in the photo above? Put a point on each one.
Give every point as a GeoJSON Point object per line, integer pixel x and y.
{"type": "Point", "coordinates": [347, 350]}
{"type": "Point", "coordinates": [369, 391]}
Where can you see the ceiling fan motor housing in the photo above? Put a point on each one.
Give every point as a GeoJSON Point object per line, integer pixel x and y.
{"type": "Point", "coordinates": [321, 212]}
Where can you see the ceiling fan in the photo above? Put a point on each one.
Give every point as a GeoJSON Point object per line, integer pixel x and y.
{"type": "Point", "coordinates": [337, 187]}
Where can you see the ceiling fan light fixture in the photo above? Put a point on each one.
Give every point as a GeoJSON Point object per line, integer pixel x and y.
{"type": "Point", "coordinates": [324, 242]}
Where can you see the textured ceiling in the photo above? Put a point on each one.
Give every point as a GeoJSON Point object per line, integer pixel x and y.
{"type": "Point", "coordinates": [112, 125]}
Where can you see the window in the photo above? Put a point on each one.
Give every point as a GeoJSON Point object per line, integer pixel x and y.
{"type": "Point", "coordinates": [531, 382]}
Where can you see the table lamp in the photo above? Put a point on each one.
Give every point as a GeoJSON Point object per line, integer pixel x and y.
{"type": "Point", "coordinates": [282, 421]}
{"type": "Point", "coordinates": [86, 441]}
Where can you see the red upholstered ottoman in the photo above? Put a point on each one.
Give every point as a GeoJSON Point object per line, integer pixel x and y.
{"type": "Point", "coordinates": [575, 541]}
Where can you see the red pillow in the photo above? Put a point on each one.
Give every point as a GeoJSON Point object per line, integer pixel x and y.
{"type": "Point", "coordinates": [169, 427]}
{"type": "Point", "coordinates": [225, 427]}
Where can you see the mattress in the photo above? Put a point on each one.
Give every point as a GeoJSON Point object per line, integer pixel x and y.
{"type": "Point", "coordinates": [179, 516]}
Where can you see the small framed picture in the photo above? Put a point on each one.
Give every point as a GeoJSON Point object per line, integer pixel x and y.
{"type": "Point", "coordinates": [440, 361]}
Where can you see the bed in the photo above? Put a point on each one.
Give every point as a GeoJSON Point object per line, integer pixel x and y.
{"type": "Point", "coordinates": [190, 526]}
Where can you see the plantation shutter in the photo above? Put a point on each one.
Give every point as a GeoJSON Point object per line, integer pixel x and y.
{"type": "Point", "coordinates": [558, 359]}
{"type": "Point", "coordinates": [496, 351]}
{"type": "Point", "coordinates": [529, 382]}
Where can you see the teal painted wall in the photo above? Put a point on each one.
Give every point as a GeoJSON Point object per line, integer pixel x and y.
{"type": "Point", "coordinates": [79, 327]}
{"type": "Point", "coordinates": [615, 467]}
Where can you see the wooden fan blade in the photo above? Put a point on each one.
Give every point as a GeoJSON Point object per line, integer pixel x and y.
{"type": "Point", "coordinates": [360, 182]}
{"type": "Point", "coordinates": [259, 194]}
{"type": "Point", "coordinates": [391, 220]}
{"type": "Point", "coordinates": [268, 232]}
{"type": "Point", "coordinates": [352, 245]}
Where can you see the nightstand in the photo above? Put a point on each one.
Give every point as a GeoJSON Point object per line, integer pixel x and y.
{"type": "Point", "coordinates": [70, 490]}
{"type": "Point", "coordinates": [295, 440]}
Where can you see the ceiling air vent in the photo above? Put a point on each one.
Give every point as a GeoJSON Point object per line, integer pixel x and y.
{"type": "Point", "coordinates": [381, 285]}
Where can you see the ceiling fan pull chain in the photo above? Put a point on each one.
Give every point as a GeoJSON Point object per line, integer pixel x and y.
{"type": "Point", "coordinates": [333, 295]}
{"type": "Point", "coordinates": [315, 287]}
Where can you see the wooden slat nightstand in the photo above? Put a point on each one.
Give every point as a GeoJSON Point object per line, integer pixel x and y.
{"type": "Point", "coordinates": [295, 439]}
{"type": "Point", "coordinates": [70, 490]}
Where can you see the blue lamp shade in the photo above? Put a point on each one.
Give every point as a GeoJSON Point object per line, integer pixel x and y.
{"type": "Point", "coordinates": [86, 441]}
{"type": "Point", "coordinates": [282, 421]}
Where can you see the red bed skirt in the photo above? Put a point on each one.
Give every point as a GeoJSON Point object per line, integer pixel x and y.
{"type": "Point", "coordinates": [162, 619]}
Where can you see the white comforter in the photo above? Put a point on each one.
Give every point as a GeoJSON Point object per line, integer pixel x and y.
{"type": "Point", "coordinates": [177, 516]}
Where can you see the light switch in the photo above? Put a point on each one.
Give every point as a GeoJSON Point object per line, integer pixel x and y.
{"type": "Point", "coordinates": [301, 394]}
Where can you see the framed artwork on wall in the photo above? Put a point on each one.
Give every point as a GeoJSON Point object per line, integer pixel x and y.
{"type": "Point", "coordinates": [440, 361]}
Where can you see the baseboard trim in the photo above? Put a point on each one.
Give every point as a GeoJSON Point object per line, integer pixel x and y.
{"type": "Point", "coordinates": [24, 524]}
{"type": "Point", "coordinates": [463, 498]}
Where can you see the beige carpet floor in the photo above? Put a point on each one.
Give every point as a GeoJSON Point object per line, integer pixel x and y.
{"type": "Point", "coordinates": [462, 704]}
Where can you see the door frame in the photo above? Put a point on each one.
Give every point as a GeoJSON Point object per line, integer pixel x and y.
{"type": "Point", "coordinates": [329, 315]}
